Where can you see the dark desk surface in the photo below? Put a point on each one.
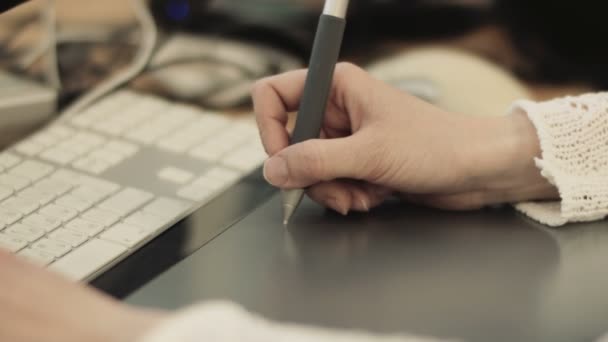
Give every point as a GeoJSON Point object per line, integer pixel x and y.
{"type": "Point", "coordinates": [484, 276]}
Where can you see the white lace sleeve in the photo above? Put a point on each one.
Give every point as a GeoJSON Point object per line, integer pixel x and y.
{"type": "Point", "coordinates": [227, 322]}
{"type": "Point", "coordinates": [573, 133]}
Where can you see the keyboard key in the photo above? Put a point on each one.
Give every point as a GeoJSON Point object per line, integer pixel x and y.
{"type": "Point", "coordinates": [28, 233]}
{"type": "Point", "coordinates": [88, 259]}
{"type": "Point", "coordinates": [108, 156]}
{"type": "Point", "coordinates": [147, 134]}
{"type": "Point", "coordinates": [89, 140]}
{"type": "Point", "coordinates": [44, 139]}
{"type": "Point", "coordinates": [75, 147]}
{"type": "Point", "coordinates": [125, 148]}
{"type": "Point", "coordinates": [111, 127]}
{"type": "Point", "coordinates": [29, 148]}
{"type": "Point", "coordinates": [143, 219]}
{"type": "Point", "coordinates": [89, 117]}
{"type": "Point", "coordinates": [60, 131]}
{"type": "Point", "coordinates": [88, 194]}
{"type": "Point", "coordinates": [132, 117]}
{"type": "Point", "coordinates": [92, 165]}
{"type": "Point", "coordinates": [177, 144]}
{"type": "Point", "coordinates": [56, 211]}
{"type": "Point", "coordinates": [71, 177]}
{"type": "Point", "coordinates": [209, 152]}
{"type": "Point", "coordinates": [12, 181]}
{"type": "Point", "coordinates": [182, 114]}
{"type": "Point", "coordinates": [88, 228]}
{"type": "Point", "coordinates": [195, 193]}
{"type": "Point", "coordinates": [167, 208]}
{"type": "Point", "coordinates": [12, 243]}
{"type": "Point", "coordinates": [58, 156]}
{"type": "Point", "coordinates": [199, 130]}
{"type": "Point", "coordinates": [8, 160]}
{"type": "Point", "coordinates": [32, 170]}
{"type": "Point", "coordinates": [56, 186]}
{"type": "Point", "coordinates": [175, 175]}
{"type": "Point", "coordinates": [216, 121]}
{"type": "Point", "coordinates": [24, 205]}
{"type": "Point", "coordinates": [36, 256]}
{"type": "Point", "coordinates": [102, 186]}
{"type": "Point", "coordinates": [126, 235]}
{"type": "Point", "coordinates": [223, 173]}
{"type": "Point", "coordinates": [245, 159]}
{"type": "Point", "coordinates": [9, 215]}
{"type": "Point", "coordinates": [43, 196]}
{"type": "Point", "coordinates": [70, 237]}
{"type": "Point", "coordinates": [126, 201]}
{"type": "Point", "coordinates": [5, 192]}
{"type": "Point", "coordinates": [210, 183]}
{"type": "Point", "coordinates": [74, 202]}
{"type": "Point", "coordinates": [52, 247]}
{"type": "Point", "coordinates": [230, 139]}
{"type": "Point", "coordinates": [100, 216]}
{"type": "Point", "coordinates": [42, 222]}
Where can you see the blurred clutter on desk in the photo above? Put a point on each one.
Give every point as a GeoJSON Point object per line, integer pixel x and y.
{"type": "Point", "coordinates": [210, 52]}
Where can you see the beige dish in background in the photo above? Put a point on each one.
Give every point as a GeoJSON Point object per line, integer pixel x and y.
{"type": "Point", "coordinates": [464, 82]}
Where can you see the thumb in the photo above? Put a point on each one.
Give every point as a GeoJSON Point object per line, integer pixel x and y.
{"type": "Point", "coordinates": [314, 161]}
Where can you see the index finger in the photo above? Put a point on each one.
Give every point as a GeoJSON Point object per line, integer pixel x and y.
{"type": "Point", "coordinates": [273, 98]}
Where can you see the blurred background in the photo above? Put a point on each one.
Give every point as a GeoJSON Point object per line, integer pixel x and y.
{"type": "Point", "coordinates": [447, 51]}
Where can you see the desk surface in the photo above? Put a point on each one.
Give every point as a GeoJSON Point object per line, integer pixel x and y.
{"type": "Point", "coordinates": [483, 276]}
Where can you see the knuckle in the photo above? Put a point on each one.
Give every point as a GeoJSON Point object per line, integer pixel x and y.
{"type": "Point", "coordinates": [348, 80]}
{"type": "Point", "coordinates": [344, 70]}
{"type": "Point", "coordinates": [347, 68]}
{"type": "Point", "coordinates": [259, 88]}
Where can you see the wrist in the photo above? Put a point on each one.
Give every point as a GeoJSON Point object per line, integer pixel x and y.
{"type": "Point", "coordinates": [504, 161]}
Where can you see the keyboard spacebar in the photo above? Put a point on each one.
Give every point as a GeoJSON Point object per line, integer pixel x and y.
{"type": "Point", "coordinates": [87, 259]}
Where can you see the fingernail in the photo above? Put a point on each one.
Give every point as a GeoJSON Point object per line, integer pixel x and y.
{"type": "Point", "coordinates": [275, 171]}
{"type": "Point", "coordinates": [363, 205]}
{"type": "Point", "coordinates": [336, 205]}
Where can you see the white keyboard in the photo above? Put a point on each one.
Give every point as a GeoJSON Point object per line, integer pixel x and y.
{"type": "Point", "coordinates": [85, 192]}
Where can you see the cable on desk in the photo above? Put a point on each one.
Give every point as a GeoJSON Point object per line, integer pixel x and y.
{"type": "Point", "coordinates": [149, 39]}
{"type": "Point", "coordinates": [52, 63]}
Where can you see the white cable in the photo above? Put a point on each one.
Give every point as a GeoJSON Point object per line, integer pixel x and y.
{"type": "Point", "coordinates": [149, 38]}
{"type": "Point", "coordinates": [52, 63]}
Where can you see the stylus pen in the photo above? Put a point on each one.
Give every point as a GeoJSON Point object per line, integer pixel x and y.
{"type": "Point", "coordinates": [325, 53]}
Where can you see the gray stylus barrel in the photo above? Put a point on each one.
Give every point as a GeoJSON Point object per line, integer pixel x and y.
{"type": "Point", "coordinates": [325, 53]}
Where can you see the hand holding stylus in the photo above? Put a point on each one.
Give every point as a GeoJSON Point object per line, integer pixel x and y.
{"type": "Point", "coordinates": [377, 141]}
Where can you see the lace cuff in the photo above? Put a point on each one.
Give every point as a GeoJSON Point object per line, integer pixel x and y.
{"type": "Point", "coordinates": [573, 133]}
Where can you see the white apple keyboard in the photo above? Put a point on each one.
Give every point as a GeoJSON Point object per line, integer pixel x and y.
{"type": "Point", "coordinates": [85, 192]}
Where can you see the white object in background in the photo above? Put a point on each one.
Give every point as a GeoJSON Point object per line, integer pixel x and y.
{"type": "Point", "coordinates": [456, 80]}
{"type": "Point", "coordinates": [194, 67]}
{"type": "Point", "coordinates": [24, 104]}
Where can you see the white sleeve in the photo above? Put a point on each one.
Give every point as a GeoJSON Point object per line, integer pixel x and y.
{"type": "Point", "coordinates": [226, 322]}
{"type": "Point", "coordinates": [573, 133]}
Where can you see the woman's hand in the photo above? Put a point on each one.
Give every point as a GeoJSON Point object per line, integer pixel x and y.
{"type": "Point", "coordinates": [36, 305]}
{"type": "Point", "coordinates": [377, 141]}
